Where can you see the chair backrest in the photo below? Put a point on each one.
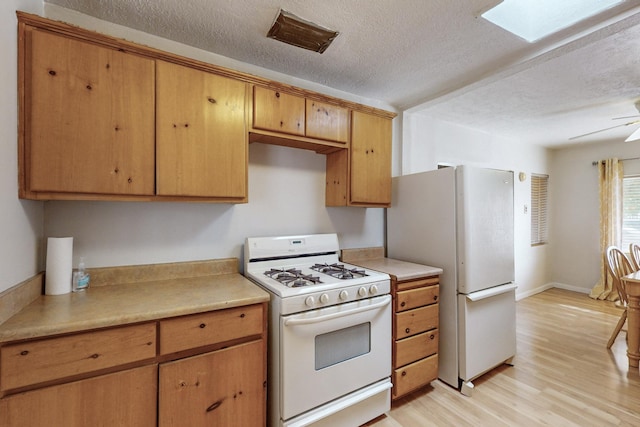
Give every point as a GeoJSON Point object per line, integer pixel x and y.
{"type": "Point", "coordinates": [634, 251]}
{"type": "Point", "coordinates": [618, 265]}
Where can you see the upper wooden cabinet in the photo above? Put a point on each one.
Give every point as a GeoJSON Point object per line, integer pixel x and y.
{"type": "Point", "coordinates": [278, 111]}
{"type": "Point", "coordinates": [280, 117]}
{"type": "Point", "coordinates": [327, 121]}
{"type": "Point", "coordinates": [89, 118]}
{"type": "Point", "coordinates": [201, 133]}
{"type": "Point", "coordinates": [361, 176]}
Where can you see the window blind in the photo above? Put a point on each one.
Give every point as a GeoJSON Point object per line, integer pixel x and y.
{"type": "Point", "coordinates": [630, 211]}
{"type": "Point", "coordinates": [539, 203]}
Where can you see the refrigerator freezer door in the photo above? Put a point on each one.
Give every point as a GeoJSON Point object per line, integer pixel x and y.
{"type": "Point", "coordinates": [487, 331]}
{"type": "Point", "coordinates": [484, 227]}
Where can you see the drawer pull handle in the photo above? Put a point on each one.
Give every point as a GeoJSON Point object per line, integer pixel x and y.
{"type": "Point", "coordinates": [404, 373]}
{"type": "Point", "coordinates": [407, 330]}
{"type": "Point", "coordinates": [431, 336]}
{"type": "Point", "coordinates": [402, 304]}
{"type": "Point", "coordinates": [214, 406]}
{"type": "Point", "coordinates": [24, 352]}
{"type": "Point", "coordinates": [435, 297]}
{"type": "Point", "coordinates": [242, 316]}
{"type": "Point", "coordinates": [203, 325]}
{"type": "Point", "coordinates": [94, 356]}
{"type": "Point", "coordinates": [277, 94]}
{"type": "Point", "coordinates": [211, 100]}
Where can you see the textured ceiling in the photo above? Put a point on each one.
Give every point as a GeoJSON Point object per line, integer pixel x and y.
{"type": "Point", "coordinates": [432, 57]}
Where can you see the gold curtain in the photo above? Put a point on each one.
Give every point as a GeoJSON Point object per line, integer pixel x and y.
{"type": "Point", "coordinates": [611, 174]}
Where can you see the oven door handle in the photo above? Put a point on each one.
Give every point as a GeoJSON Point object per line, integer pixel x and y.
{"type": "Point", "coordinates": [292, 322]}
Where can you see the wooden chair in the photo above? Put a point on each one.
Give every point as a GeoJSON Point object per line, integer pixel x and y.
{"type": "Point", "coordinates": [618, 266]}
{"type": "Point", "coordinates": [634, 252]}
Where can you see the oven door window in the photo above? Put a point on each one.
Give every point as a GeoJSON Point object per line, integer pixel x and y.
{"type": "Point", "coordinates": [344, 344]}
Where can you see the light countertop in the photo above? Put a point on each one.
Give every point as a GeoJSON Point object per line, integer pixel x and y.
{"type": "Point", "coordinates": [104, 306]}
{"type": "Point", "coordinates": [373, 258]}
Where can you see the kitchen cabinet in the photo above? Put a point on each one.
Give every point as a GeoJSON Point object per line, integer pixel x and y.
{"type": "Point", "coordinates": [298, 120]}
{"type": "Point", "coordinates": [206, 369]}
{"type": "Point", "coordinates": [415, 333]}
{"type": "Point", "coordinates": [201, 133]}
{"type": "Point", "coordinates": [219, 388]}
{"type": "Point", "coordinates": [361, 176]}
{"type": "Point", "coordinates": [89, 118]}
{"type": "Point", "coordinates": [278, 111]}
{"type": "Point", "coordinates": [126, 398]}
{"type": "Point", "coordinates": [102, 118]}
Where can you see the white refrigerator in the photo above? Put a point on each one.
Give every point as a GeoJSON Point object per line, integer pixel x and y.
{"type": "Point", "coordinates": [461, 220]}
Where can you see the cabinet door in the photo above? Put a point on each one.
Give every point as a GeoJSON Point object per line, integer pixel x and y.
{"type": "Point", "coordinates": [370, 182]}
{"type": "Point", "coordinates": [278, 111]}
{"type": "Point", "coordinates": [127, 398]}
{"type": "Point", "coordinates": [201, 134]}
{"type": "Point", "coordinates": [221, 388]}
{"type": "Point", "coordinates": [327, 121]}
{"type": "Point", "coordinates": [89, 118]}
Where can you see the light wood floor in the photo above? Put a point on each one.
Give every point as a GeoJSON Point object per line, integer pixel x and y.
{"type": "Point", "coordinates": [563, 375]}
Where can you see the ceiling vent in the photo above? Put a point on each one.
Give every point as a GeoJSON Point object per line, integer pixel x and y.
{"type": "Point", "coordinates": [295, 31]}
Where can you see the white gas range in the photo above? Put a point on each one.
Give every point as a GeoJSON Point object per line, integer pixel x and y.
{"type": "Point", "coordinates": [329, 332]}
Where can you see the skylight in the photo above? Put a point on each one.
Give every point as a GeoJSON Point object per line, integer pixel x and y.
{"type": "Point", "coordinates": [535, 19]}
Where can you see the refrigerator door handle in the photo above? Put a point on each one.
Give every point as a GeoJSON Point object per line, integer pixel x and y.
{"type": "Point", "coordinates": [491, 292]}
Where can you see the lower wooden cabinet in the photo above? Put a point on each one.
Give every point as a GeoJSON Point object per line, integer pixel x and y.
{"type": "Point", "coordinates": [126, 398]}
{"type": "Point", "coordinates": [220, 388]}
{"type": "Point", "coordinates": [415, 333]}
{"type": "Point", "coordinates": [204, 369]}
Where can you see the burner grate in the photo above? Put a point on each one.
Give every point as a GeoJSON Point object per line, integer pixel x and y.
{"type": "Point", "coordinates": [292, 277]}
{"type": "Point", "coordinates": [339, 271]}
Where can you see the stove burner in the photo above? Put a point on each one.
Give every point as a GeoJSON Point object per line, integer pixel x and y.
{"type": "Point", "coordinates": [292, 277]}
{"type": "Point", "coordinates": [339, 271]}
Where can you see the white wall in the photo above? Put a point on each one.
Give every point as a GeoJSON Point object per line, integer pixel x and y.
{"type": "Point", "coordinates": [428, 142]}
{"type": "Point", "coordinates": [574, 202]}
{"type": "Point", "coordinates": [20, 221]}
{"type": "Point", "coordinates": [286, 195]}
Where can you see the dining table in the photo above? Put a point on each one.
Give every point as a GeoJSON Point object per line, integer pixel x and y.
{"type": "Point", "coordinates": [632, 286]}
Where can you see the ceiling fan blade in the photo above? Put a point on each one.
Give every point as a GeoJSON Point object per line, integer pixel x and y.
{"type": "Point", "coordinates": [634, 136]}
{"type": "Point", "coordinates": [603, 130]}
{"type": "Point", "coordinates": [625, 117]}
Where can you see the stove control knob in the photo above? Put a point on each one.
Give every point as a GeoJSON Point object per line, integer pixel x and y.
{"type": "Point", "coordinates": [309, 301]}
{"type": "Point", "coordinates": [362, 292]}
{"type": "Point", "coordinates": [324, 298]}
{"type": "Point", "coordinates": [344, 295]}
{"type": "Point", "coordinates": [373, 290]}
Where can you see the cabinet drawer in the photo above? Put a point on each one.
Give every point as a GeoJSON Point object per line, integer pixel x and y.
{"type": "Point", "coordinates": [416, 347]}
{"type": "Point", "coordinates": [278, 111]}
{"type": "Point", "coordinates": [43, 360]}
{"type": "Point", "coordinates": [414, 321]}
{"type": "Point", "coordinates": [415, 375]}
{"type": "Point", "coordinates": [406, 300]}
{"type": "Point", "coordinates": [199, 330]}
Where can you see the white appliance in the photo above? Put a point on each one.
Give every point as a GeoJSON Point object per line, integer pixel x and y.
{"type": "Point", "coordinates": [329, 332]}
{"type": "Point", "coordinates": [461, 219]}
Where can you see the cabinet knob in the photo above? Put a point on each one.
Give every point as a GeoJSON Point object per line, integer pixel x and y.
{"type": "Point", "coordinates": [403, 303]}
{"type": "Point", "coordinates": [211, 100]}
{"type": "Point", "coordinates": [404, 373]}
{"type": "Point", "coordinates": [203, 325]}
{"type": "Point", "coordinates": [431, 336]}
{"type": "Point", "coordinates": [407, 330]}
{"type": "Point", "coordinates": [435, 297]}
{"type": "Point", "coordinates": [277, 94]}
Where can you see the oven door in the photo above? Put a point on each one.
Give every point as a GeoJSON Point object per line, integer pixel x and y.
{"type": "Point", "coordinates": [330, 352]}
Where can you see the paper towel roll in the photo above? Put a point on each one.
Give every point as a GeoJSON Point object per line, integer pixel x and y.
{"type": "Point", "coordinates": [59, 265]}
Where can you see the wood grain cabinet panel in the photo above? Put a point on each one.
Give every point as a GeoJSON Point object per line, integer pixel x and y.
{"type": "Point", "coordinates": [221, 388]}
{"type": "Point", "coordinates": [414, 321]}
{"type": "Point", "coordinates": [89, 125]}
{"type": "Point", "coordinates": [199, 330]}
{"type": "Point", "coordinates": [327, 121]}
{"type": "Point", "coordinates": [416, 347]}
{"type": "Point", "coordinates": [415, 375]}
{"type": "Point", "coordinates": [370, 173]}
{"type": "Point", "coordinates": [201, 133]}
{"type": "Point", "coordinates": [278, 111]}
{"type": "Point", "coordinates": [413, 298]}
{"type": "Point", "coordinates": [42, 360]}
{"type": "Point", "coordinates": [126, 398]}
